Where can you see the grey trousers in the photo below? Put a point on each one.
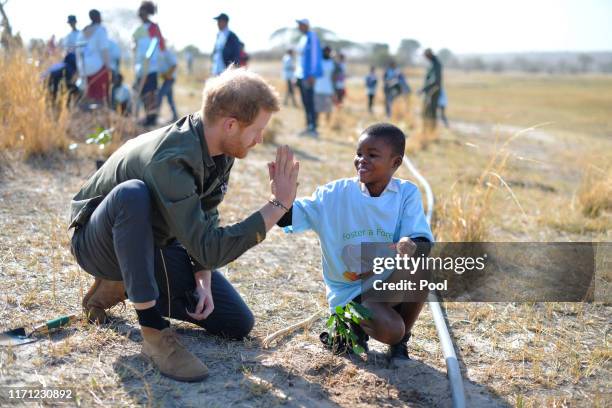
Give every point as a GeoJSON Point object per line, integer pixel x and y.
{"type": "Point", "coordinates": [117, 244]}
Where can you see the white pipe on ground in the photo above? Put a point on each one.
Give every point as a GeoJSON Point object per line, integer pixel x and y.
{"type": "Point", "coordinates": [448, 350]}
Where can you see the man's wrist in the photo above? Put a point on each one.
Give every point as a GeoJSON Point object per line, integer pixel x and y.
{"type": "Point", "coordinates": [277, 203]}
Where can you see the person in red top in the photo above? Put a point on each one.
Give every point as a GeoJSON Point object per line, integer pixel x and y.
{"type": "Point", "coordinates": [243, 56]}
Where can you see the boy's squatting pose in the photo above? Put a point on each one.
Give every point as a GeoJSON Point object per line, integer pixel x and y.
{"type": "Point", "coordinates": [390, 209]}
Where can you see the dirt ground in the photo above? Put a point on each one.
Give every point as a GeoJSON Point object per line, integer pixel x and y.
{"type": "Point", "coordinates": [511, 354]}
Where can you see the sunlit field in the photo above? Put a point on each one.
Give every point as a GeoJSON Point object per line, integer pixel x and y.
{"type": "Point", "coordinates": [526, 158]}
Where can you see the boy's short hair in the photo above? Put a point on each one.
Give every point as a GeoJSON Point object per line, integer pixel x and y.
{"type": "Point", "coordinates": [391, 134]}
{"type": "Point", "coordinates": [239, 94]}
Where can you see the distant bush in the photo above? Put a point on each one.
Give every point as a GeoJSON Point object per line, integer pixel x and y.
{"type": "Point", "coordinates": [28, 121]}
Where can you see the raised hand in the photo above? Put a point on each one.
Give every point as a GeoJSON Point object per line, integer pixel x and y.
{"type": "Point", "coordinates": [283, 176]}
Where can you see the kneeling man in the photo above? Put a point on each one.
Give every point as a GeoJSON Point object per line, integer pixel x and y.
{"type": "Point", "coordinates": [147, 227]}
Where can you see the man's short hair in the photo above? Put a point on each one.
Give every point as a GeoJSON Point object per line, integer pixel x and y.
{"type": "Point", "coordinates": [392, 135]}
{"type": "Point", "coordinates": [239, 94]}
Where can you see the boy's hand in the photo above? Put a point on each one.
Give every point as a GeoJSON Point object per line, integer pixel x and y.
{"type": "Point", "coordinates": [283, 176]}
{"type": "Point", "coordinates": [406, 246]}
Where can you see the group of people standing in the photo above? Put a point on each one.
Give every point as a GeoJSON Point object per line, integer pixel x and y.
{"type": "Point", "coordinates": [92, 62]}
{"type": "Point", "coordinates": [395, 85]}
{"type": "Point", "coordinates": [321, 79]}
{"type": "Point", "coordinates": [319, 75]}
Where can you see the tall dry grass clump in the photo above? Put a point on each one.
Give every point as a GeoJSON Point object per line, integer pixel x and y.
{"type": "Point", "coordinates": [595, 193]}
{"type": "Point", "coordinates": [28, 121]}
{"type": "Point", "coordinates": [272, 130]}
{"type": "Point", "coordinates": [463, 216]}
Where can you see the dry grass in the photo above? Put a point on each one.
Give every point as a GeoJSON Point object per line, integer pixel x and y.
{"type": "Point", "coordinates": [272, 130]}
{"type": "Point", "coordinates": [595, 194]}
{"type": "Point", "coordinates": [463, 216]}
{"type": "Point", "coordinates": [528, 355]}
{"type": "Point", "coordinates": [29, 122]}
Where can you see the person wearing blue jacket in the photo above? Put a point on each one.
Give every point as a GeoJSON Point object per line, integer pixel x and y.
{"type": "Point", "coordinates": [308, 68]}
{"type": "Point", "coordinates": [227, 46]}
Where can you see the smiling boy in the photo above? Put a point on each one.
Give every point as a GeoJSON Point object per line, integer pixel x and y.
{"type": "Point", "coordinates": [373, 207]}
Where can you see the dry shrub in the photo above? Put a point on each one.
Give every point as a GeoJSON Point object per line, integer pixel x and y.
{"type": "Point", "coordinates": [273, 129]}
{"type": "Point", "coordinates": [420, 140]}
{"type": "Point", "coordinates": [595, 194]}
{"type": "Point", "coordinates": [401, 110]}
{"type": "Point", "coordinates": [85, 124]}
{"type": "Point", "coordinates": [463, 215]}
{"type": "Point", "coordinates": [28, 121]}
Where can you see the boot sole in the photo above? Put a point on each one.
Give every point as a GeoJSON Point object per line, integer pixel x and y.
{"type": "Point", "coordinates": [174, 377]}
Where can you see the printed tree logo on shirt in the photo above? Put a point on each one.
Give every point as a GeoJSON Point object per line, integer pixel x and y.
{"type": "Point", "coordinates": [356, 264]}
{"type": "Point", "coordinates": [351, 256]}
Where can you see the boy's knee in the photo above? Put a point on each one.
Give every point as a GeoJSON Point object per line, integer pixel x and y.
{"type": "Point", "coordinates": [392, 335]}
{"type": "Point", "coordinates": [389, 329]}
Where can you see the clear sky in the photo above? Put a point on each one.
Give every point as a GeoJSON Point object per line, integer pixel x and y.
{"type": "Point", "coordinates": [469, 26]}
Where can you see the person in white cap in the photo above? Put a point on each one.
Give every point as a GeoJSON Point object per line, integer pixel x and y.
{"type": "Point", "coordinates": [308, 69]}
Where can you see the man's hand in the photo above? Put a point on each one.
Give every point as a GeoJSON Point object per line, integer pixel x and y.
{"type": "Point", "coordinates": [310, 80]}
{"type": "Point", "coordinates": [205, 304]}
{"type": "Point", "coordinates": [283, 176]}
{"type": "Point", "coordinates": [406, 246]}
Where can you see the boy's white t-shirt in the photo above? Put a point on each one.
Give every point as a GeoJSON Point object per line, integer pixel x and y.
{"type": "Point", "coordinates": [344, 215]}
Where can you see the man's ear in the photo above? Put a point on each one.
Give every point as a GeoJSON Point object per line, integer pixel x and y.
{"type": "Point", "coordinates": [230, 124]}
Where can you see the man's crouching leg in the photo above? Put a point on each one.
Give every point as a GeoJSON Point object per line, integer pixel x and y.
{"type": "Point", "coordinates": [117, 244]}
{"type": "Point", "coordinates": [231, 317]}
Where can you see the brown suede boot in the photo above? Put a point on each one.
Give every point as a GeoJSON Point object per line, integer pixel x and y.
{"type": "Point", "coordinates": [172, 359]}
{"type": "Point", "coordinates": [102, 295]}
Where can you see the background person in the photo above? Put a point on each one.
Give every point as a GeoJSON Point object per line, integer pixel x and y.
{"type": "Point", "coordinates": [308, 69]}
{"type": "Point", "coordinates": [340, 78]}
{"type": "Point", "coordinates": [96, 59]}
{"type": "Point", "coordinates": [370, 82]}
{"type": "Point", "coordinates": [121, 96]}
{"type": "Point", "coordinates": [146, 66]}
{"type": "Point", "coordinates": [392, 86]}
{"type": "Point", "coordinates": [189, 61]}
{"type": "Point", "coordinates": [324, 86]}
{"type": "Point", "coordinates": [244, 56]}
{"type": "Point", "coordinates": [167, 69]}
{"type": "Point", "coordinates": [114, 53]}
{"type": "Point", "coordinates": [442, 104]}
{"type": "Point", "coordinates": [289, 77]}
{"type": "Point", "coordinates": [227, 46]}
{"type": "Point", "coordinates": [69, 44]}
{"type": "Point", "coordinates": [431, 91]}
